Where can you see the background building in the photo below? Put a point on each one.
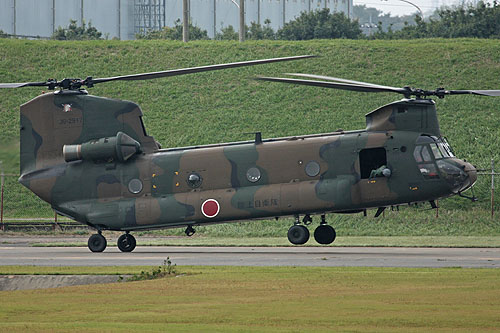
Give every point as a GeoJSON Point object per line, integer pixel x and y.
{"type": "Point", "coordinates": [124, 18]}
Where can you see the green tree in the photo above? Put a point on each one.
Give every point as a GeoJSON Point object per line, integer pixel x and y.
{"type": "Point", "coordinates": [75, 32]}
{"type": "Point", "coordinates": [320, 24]}
{"type": "Point", "coordinates": [227, 33]}
{"type": "Point", "coordinates": [480, 21]}
{"type": "Point", "coordinates": [257, 31]}
{"type": "Point", "coordinates": [174, 33]}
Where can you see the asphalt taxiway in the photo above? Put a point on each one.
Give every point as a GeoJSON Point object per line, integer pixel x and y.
{"type": "Point", "coordinates": [254, 256]}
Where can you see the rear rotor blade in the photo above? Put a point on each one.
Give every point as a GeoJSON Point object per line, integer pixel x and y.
{"type": "Point", "coordinates": [334, 85]}
{"type": "Point", "coordinates": [183, 71]}
{"type": "Point", "coordinates": [25, 84]}
{"type": "Point", "coordinates": [74, 84]}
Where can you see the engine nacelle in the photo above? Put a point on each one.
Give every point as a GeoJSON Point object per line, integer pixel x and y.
{"type": "Point", "coordinates": [120, 147]}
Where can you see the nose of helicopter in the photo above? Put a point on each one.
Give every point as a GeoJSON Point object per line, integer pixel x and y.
{"type": "Point", "coordinates": [460, 175]}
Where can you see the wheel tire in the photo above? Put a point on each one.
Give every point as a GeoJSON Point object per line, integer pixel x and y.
{"type": "Point", "coordinates": [298, 234]}
{"type": "Point", "coordinates": [325, 234]}
{"type": "Point", "coordinates": [97, 243]}
{"type": "Point", "coordinates": [126, 243]}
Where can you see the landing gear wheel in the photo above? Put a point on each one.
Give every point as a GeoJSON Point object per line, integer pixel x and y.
{"type": "Point", "coordinates": [97, 243]}
{"type": "Point", "coordinates": [126, 243]}
{"type": "Point", "coordinates": [298, 234]}
{"type": "Point", "coordinates": [190, 231]}
{"type": "Point", "coordinates": [324, 234]}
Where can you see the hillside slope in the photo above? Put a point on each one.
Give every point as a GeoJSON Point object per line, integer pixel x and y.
{"type": "Point", "coordinates": [224, 105]}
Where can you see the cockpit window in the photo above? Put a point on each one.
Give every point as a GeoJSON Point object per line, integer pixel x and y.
{"type": "Point", "coordinates": [446, 147]}
{"type": "Point", "coordinates": [417, 154]}
{"type": "Point", "coordinates": [428, 150]}
{"type": "Point", "coordinates": [436, 151]}
{"type": "Point", "coordinates": [425, 154]}
{"type": "Point", "coordinates": [429, 171]}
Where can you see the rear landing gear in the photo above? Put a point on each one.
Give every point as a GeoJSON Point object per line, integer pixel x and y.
{"type": "Point", "coordinates": [97, 242]}
{"type": "Point", "coordinates": [126, 243]}
{"type": "Point", "coordinates": [298, 234]}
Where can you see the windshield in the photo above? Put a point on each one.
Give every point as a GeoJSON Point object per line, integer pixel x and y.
{"type": "Point", "coordinates": [428, 150]}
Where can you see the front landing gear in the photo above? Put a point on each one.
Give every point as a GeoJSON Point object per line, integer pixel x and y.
{"type": "Point", "coordinates": [97, 242]}
{"type": "Point", "coordinates": [324, 234]}
{"type": "Point", "coordinates": [298, 234]}
{"type": "Point", "coordinates": [126, 243]}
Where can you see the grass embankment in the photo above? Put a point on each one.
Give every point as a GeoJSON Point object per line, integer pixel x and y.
{"type": "Point", "coordinates": [222, 106]}
{"type": "Point", "coordinates": [229, 299]}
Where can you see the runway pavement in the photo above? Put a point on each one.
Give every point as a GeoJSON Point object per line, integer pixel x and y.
{"type": "Point", "coordinates": [255, 256]}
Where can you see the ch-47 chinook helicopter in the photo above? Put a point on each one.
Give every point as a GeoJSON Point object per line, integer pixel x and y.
{"type": "Point", "coordinates": [91, 159]}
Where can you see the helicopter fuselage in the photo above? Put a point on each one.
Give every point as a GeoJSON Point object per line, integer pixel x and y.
{"type": "Point", "coordinates": [119, 179]}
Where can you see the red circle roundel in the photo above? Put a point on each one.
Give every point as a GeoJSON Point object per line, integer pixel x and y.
{"type": "Point", "coordinates": [210, 208]}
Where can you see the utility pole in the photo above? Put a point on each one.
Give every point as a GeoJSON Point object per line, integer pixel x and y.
{"type": "Point", "coordinates": [53, 16]}
{"type": "Point", "coordinates": [81, 13]}
{"type": "Point", "coordinates": [242, 21]}
{"type": "Point", "coordinates": [14, 19]}
{"type": "Point", "coordinates": [492, 187]}
{"type": "Point", "coordinates": [185, 21]}
{"type": "Point", "coordinates": [1, 194]}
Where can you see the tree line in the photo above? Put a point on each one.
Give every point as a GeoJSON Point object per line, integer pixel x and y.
{"type": "Point", "coordinates": [481, 20]}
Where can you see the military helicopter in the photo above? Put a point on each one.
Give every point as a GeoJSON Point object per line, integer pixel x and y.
{"type": "Point", "coordinates": [91, 158]}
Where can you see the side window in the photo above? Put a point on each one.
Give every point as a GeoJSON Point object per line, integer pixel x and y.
{"type": "Point", "coordinates": [417, 154]}
{"type": "Point", "coordinates": [371, 159]}
{"type": "Point", "coordinates": [429, 171]}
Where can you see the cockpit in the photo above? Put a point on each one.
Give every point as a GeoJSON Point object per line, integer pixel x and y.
{"type": "Point", "coordinates": [428, 151]}
{"type": "Point", "coordinates": [436, 161]}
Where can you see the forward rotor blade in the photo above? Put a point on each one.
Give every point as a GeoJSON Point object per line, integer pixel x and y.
{"type": "Point", "coordinates": [329, 78]}
{"type": "Point", "coordinates": [475, 92]}
{"type": "Point", "coordinates": [25, 84]}
{"type": "Point", "coordinates": [334, 85]}
{"type": "Point", "coordinates": [183, 71]}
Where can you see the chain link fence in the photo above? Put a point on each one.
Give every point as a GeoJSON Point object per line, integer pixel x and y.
{"type": "Point", "coordinates": [20, 209]}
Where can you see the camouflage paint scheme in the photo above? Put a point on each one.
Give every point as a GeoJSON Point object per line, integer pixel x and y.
{"type": "Point", "coordinates": [96, 191]}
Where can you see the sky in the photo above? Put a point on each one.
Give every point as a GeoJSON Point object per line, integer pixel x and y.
{"type": "Point", "coordinates": [400, 8]}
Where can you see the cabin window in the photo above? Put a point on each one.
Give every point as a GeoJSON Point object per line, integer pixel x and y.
{"type": "Point", "coordinates": [371, 159]}
{"type": "Point", "coordinates": [312, 169]}
{"type": "Point", "coordinates": [194, 180]}
{"type": "Point", "coordinates": [253, 174]}
{"type": "Point", "coordinates": [135, 186]}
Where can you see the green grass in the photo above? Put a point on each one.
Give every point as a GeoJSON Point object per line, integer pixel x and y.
{"type": "Point", "coordinates": [408, 222]}
{"type": "Point", "coordinates": [221, 106]}
{"type": "Point", "coordinates": [265, 299]}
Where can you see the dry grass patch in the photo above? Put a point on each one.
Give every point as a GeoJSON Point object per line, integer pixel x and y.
{"type": "Point", "coordinates": [229, 299]}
